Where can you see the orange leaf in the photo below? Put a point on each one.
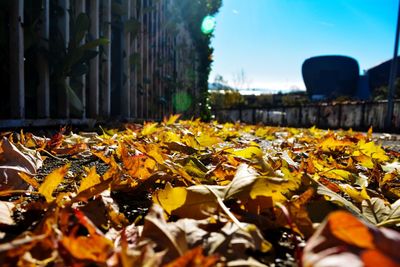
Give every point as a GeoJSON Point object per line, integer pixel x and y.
{"type": "Point", "coordinates": [27, 178]}
{"type": "Point", "coordinates": [94, 246]}
{"type": "Point", "coordinates": [347, 228]}
{"type": "Point", "coordinates": [373, 258]}
{"type": "Point", "coordinates": [194, 258]}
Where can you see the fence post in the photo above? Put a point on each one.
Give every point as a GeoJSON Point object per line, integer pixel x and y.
{"type": "Point", "coordinates": [17, 79]}
{"type": "Point", "coordinates": [140, 71]}
{"type": "Point", "coordinates": [62, 94]}
{"type": "Point", "coordinates": [106, 65]}
{"type": "Point", "coordinates": [43, 94]}
{"type": "Point", "coordinates": [152, 47]}
{"type": "Point", "coordinates": [157, 64]}
{"type": "Point", "coordinates": [125, 94]}
{"type": "Point", "coordinates": [300, 116]}
{"type": "Point", "coordinates": [163, 85]}
{"type": "Point", "coordinates": [362, 117]}
{"type": "Point", "coordinates": [80, 7]}
{"type": "Point", "coordinates": [133, 51]}
{"type": "Point", "coordinates": [93, 97]}
{"type": "Point", "coordinates": [146, 38]}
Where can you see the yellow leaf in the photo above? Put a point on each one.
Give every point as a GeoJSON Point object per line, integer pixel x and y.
{"type": "Point", "coordinates": [358, 196]}
{"type": "Point", "coordinates": [332, 144]}
{"type": "Point", "coordinates": [364, 161]}
{"type": "Point", "coordinates": [248, 153]}
{"type": "Point", "coordinates": [337, 174]}
{"type": "Point", "coordinates": [149, 128]}
{"type": "Point", "coordinates": [155, 152]}
{"type": "Point", "coordinates": [208, 141]}
{"type": "Point", "coordinates": [369, 133]}
{"type": "Point", "coordinates": [170, 198]}
{"type": "Point", "coordinates": [192, 169]}
{"type": "Point", "coordinates": [172, 119]}
{"type": "Point", "coordinates": [247, 183]}
{"type": "Point", "coordinates": [168, 137]}
{"type": "Point", "coordinates": [372, 150]}
{"type": "Point", "coordinates": [90, 180]}
{"type": "Point", "coordinates": [52, 181]}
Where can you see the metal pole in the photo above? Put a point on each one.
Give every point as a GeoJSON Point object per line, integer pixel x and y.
{"type": "Point", "coordinates": [392, 77]}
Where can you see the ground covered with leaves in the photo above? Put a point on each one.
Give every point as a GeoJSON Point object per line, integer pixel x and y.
{"type": "Point", "coordinates": [187, 193]}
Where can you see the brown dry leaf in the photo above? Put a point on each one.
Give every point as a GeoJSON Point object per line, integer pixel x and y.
{"type": "Point", "coordinates": [12, 162]}
{"type": "Point", "coordinates": [6, 211]}
{"type": "Point", "coordinates": [179, 237]}
{"type": "Point", "coordinates": [143, 255]}
{"type": "Point", "coordinates": [156, 229]}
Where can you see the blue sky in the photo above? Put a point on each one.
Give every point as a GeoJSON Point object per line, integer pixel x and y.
{"type": "Point", "coordinates": [270, 39]}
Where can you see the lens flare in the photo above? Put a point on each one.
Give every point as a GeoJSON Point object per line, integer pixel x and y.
{"type": "Point", "coordinates": [181, 101]}
{"type": "Point", "coordinates": [208, 24]}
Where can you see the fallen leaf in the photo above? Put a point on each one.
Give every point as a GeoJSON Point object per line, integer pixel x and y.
{"type": "Point", "coordinates": [92, 247]}
{"type": "Point", "coordinates": [6, 211]}
{"type": "Point", "coordinates": [172, 119]}
{"type": "Point", "coordinates": [192, 258]}
{"type": "Point", "coordinates": [344, 240]}
{"type": "Point", "coordinates": [91, 179]}
{"type": "Point", "coordinates": [149, 128]}
{"type": "Point", "coordinates": [347, 228]}
{"type": "Point", "coordinates": [170, 198]}
{"type": "Point", "coordinates": [156, 229]}
{"type": "Point", "coordinates": [12, 162]}
{"type": "Point", "coordinates": [52, 181]}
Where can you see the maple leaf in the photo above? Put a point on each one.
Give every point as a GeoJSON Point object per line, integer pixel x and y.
{"type": "Point", "coordinates": [91, 179]}
{"type": "Point", "coordinates": [372, 150]}
{"type": "Point", "coordinates": [94, 246]}
{"type": "Point", "coordinates": [172, 119]}
{"type": "Point", "coordinates": [52, 181]}
{"type": "Point", "coordinates": [149, 128]}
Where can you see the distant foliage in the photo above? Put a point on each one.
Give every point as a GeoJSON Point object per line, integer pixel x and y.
{"type": "Point", "coordinates": [381, 93]}
{"type": "Point", "coordinates": [193, 13]}
{"type": "Point", "coordinates": [225, 96]}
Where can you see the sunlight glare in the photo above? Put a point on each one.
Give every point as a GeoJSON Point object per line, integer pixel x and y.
{"type": "Point", "coordinates": [208, 24]}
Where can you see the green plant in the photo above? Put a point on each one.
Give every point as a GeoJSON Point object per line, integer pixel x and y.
{"type": "Point", "coordinates": [72, 62]}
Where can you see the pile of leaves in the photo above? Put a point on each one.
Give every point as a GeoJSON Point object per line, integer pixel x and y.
{"type": "Point", "coordinates": [189, 193]}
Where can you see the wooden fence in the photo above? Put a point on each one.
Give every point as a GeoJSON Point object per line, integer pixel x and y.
{"type": "Point", "coordinates": [149, 58]}
{"type": "Point", "coordinates": [355, 115]}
